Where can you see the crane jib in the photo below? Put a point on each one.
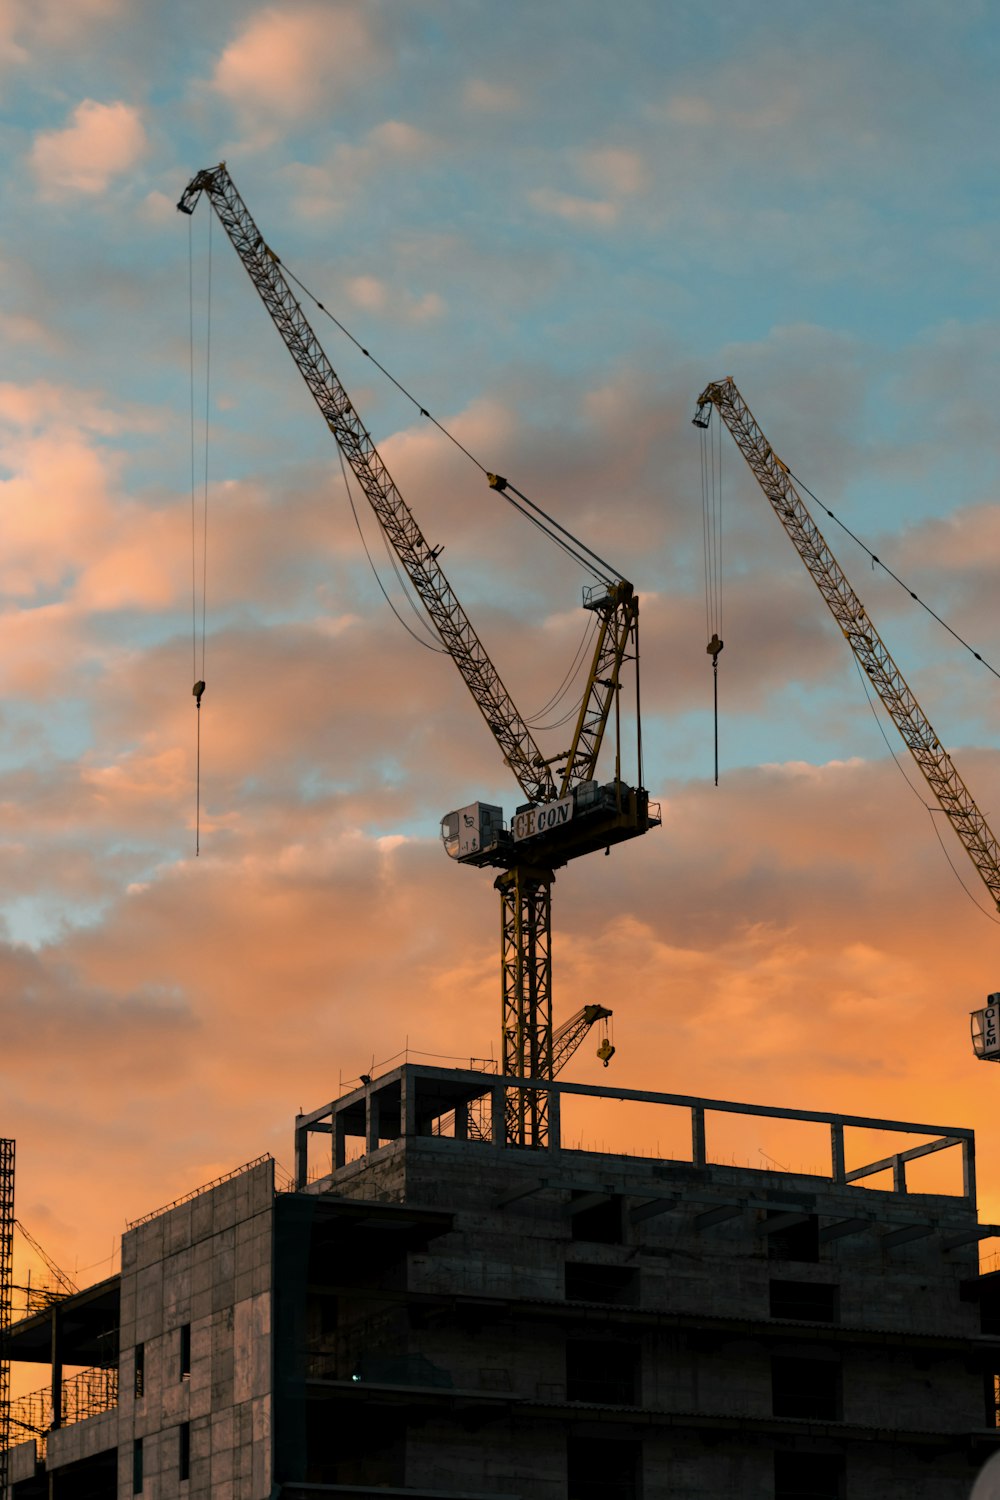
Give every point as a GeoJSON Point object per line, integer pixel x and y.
{"type": "Point", "coordinates": [870, 651]}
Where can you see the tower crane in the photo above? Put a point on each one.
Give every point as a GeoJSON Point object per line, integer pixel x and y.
{"type": "Point", "coordinates": [567, 812]}
{"type": "Point", "coordinates": [919, 736]}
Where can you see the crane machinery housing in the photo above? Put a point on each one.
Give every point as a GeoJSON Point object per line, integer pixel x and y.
{"type": "Point", "coordinates": [568, 811]}
{"type": "Point", "coordinates": [872, 655]}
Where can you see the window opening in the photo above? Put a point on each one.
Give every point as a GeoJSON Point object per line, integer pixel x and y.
{"type": "Point", "coordinates": [808, 1476]}
{"type": "Point", "coordinates": [185, 1352]}
{"type": "Point", "coordinates": [140, 1371]}
{"type": "Point", "coordinates": [805, 1388]}
{"type": "Point", "coordinates": [603, 1469]}
{"type": "Point", "coordinates": [591, 1283]}
{"type": "Point", "coordinates": [796, 1242]}
{"type": "Point", "coordinates": [602, 1223]}
{"type": "Point", "coordinates": [601, 1371]}
{"type": "Point", "coordinates": [809, 1301]}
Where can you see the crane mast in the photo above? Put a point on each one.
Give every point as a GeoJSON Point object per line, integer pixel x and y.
{"type": "Point", "coordinates": [936, 766]}
{"type": "Point", "coordinates": [559, 820]}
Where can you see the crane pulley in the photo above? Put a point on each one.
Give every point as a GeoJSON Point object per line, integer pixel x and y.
{"type": "Point", "coordinates": [567, 813]}
{"type": "Point", "coordinates": [919, 736]}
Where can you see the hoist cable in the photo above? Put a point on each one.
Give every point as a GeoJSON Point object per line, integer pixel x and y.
{"type": "Point", "coordinates": [194, 585]}
{"type": "Point", "coordinates": [875, 560]}
{"type": "Point", "coordinates": [199, 686]}
{"type": "Point", "coordinates": [549, 521]}
{"type": "Point", "coordinates": [568, 717]}
{"type": "Point", "coordinates": [428, 645]}
{"type": "Point", "coordinates": [711, 525]}
{"type": "Point", "coordinates": [572, 672]}
{"type": "Point", "coordinates": [208, 387]}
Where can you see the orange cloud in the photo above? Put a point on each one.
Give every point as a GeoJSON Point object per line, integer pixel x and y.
{"type": "Point", "coordinates": [289, 62]}
{"type": "Point", "coordinates": [102, 142]}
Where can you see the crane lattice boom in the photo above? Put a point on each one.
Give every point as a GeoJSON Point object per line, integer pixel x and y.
{"type": "Point", "coordinates": [950, 791]}
{"type": "Point", "coordinates": [394, 515]}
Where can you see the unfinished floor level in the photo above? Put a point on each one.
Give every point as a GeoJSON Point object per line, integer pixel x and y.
{"type": "Point", "coordinates": [429, 1312]}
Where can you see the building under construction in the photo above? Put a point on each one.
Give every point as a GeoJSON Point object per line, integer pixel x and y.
{"type": "Point", "coordinates": [431, 1312]}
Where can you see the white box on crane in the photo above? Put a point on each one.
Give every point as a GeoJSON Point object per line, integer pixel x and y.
{"type": "Point", "coordinates": [986, 1030]}
{"type": "Point", "coordinates": [471, 829]}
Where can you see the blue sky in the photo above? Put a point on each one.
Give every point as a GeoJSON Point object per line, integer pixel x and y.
{"type": "Point", "coordinates": [554, 225]}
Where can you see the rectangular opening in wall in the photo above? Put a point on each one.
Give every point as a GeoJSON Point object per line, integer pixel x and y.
{"type": "Point", "coordinates": [140, 1371]}
{"type": "Point", "coordinates": [603, 1469]}
{"type": "Point", "coordinates": [805, 1388]}
{"type": "Point", "coordinates": [594, 1283]}
{"type": "Point", "coordinates": [808, 1301]}
{"type": "Point", "coordinates": [768, 1143]}
{"type": "Point", "coordinates": [602, 1371]}
{"type": "Point", "coordinates": [597, 1217]}
{"type": "Point", "coordinates": [790, 1236]}
{"type": "Point", "coordinates": [137, 1467]}
{"type": "Point", "coordinates": [184, 1451]}
{"type": "Point", "coordinates": [808, 1476]}
{"type": "Point", "coordinates": [369, 1451]}
{"type": "Point", "coordinates": [986, 1291]}
{"type": "Point", "coordinates": [184, 1371]}
{"type": "Point", "coordinates": [939, 1171]}
{"type": "Point", "coordinates": [991, 1390]}
{"type": "Point", "coordinates": [627, 1127]}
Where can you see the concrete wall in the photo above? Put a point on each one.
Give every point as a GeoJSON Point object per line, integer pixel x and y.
{"type": "Point", "coordinates": [889, 1293]}
{"type": "Point", "coordinates": [205, 1264]}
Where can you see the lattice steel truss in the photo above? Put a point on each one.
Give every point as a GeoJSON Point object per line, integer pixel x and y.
{"type": "Point", "coordinates": [918, 733]}
{"type": "Point", "coordinates": [415, 553]}
{"type": "Point", "coordinates": [6, 1297]}
{"type": "Point", "coordinates": [526, 927]}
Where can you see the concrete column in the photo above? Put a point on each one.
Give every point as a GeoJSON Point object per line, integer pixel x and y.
{"type": "Point", "coordinates": [698, 1137]}
{"type": "Point", "coordinates": [555, 1119]}
{"type": "Point", "coordinates": [57, 1364]}
{"type": "Point", "coordinates": [338, 1139]}
{"type": "Point", "coordinates": [371, 1121]}
{"type": "Point", "coordinates": [969, 1170]}
{"type": "Point", "coordinates": [838, 1166]}
{"type": "Point", "coordinates": [301, 1155]}
{"type": "Point", "coordinates": [499, 1117]}
{"type": "Point", "coordinates": [407, 1104]}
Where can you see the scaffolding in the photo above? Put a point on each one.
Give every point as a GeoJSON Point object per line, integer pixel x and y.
{"type": "Point", "coordinates": [6, 1296]}
{"type": "Point", "coordinates": [87, 1394]}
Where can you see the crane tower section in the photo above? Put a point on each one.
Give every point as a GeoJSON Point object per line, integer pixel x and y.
{"type": "Point", "coordinates": [6, 1296]}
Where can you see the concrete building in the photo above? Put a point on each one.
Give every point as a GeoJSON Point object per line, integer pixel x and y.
{"type": "Point", "coordinates": [430, 1313]}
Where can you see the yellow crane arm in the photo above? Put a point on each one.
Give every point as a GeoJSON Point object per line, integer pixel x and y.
{"type": "Point", "coordinates": [572, 1032]}
{"type": "Point", "coordinates": [617, 608]}
{"type": "Point", "coordinates": [395, 517]}
{"type": "Point", "coordinates": [916, 729]}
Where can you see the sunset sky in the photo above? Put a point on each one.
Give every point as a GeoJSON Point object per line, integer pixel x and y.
{"type": "Point", "coordinates": [554, 225]}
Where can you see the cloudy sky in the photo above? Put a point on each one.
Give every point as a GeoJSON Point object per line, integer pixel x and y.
{"type": "Point", "coordinates": [554, 237]}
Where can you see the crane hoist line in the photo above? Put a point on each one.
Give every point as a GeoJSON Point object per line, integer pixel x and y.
{"type": "Point", "coordinates": [871, 653]}
{"type": "Point", "coordinates": [568, 811]}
